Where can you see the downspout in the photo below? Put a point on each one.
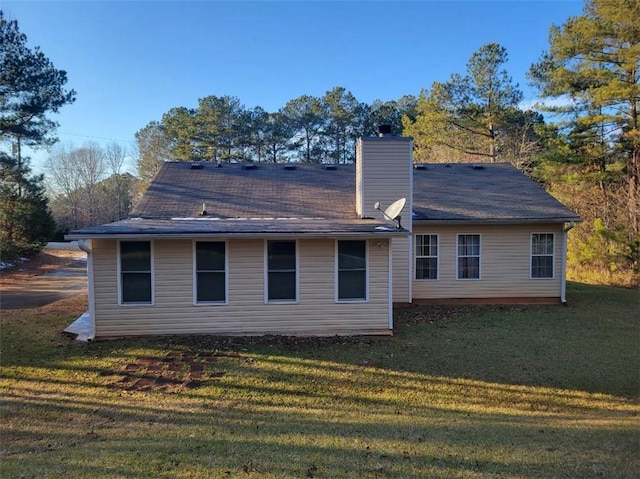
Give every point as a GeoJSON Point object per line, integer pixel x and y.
{"type": "Point", "coordinates": [410, 223]}
{"type": "Point", "coordinates": [390, 288]}
{"type": "Point", "coordinates": [85, 245]}
{"type": "Point", "coordinates": [563, 281]}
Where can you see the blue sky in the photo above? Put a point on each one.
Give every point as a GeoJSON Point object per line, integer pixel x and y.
{"type": "Point", "coordinates": [130, 62]}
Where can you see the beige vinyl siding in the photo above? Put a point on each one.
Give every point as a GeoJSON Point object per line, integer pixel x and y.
{"type": "Point", "coordinates": [246, 312]}
{"type": "Point", "coordinates": [400, 248]}
{"type": "Point", "coordinates": [505, 259]}
{"type": "Point", "coordinates": [359, 179]}
{"type": "Point", "coordinates": [384, 173]}
{"type": "Point", "coordinates": [105, 273]}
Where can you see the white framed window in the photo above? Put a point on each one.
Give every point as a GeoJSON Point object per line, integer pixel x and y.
{"type": "Point", "coordinates": [135, 273]}
{"type": "Point", "coordinates": [427, 259]}
{"type": "Point", "coordinates": [210, 272]}
{"type": "Point", "coordinates": [468, 256]}
{"type": "Point", "coordinates": [281, 258]}
{"type": "Point", "coordinates": [351, 270]}
{"type": "Point", "coordinates": [542, 255]}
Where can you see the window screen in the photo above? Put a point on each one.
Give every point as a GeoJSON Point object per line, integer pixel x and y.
{"type": "Point", "coordinates": [542, 255]}
{"type": "Point", "coordinates": [352, 270]}
{"type": "Point", "coordinates": [210, 272]}
{"type": "Point", "coordinates": [426, 256]}
{"type": "Point", "coordinates": [135, 272]}
{"type": "Point", "coordinates": [469, 256]}
{"type": "Point", "coordinates": [281, 271]}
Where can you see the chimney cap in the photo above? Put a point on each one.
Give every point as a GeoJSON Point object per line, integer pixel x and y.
{"type": "Point", "coordinates": [384, 130]}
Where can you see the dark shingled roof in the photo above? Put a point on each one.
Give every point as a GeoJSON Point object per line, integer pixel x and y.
{"type": "Point", "coordinates": [268, 191]}
{"type": "Point", "coordinates": [495, 192]}
{"type": "Point", "coordinates": [313, 201]}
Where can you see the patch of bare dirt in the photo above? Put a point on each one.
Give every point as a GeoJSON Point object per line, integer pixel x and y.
{"type": "Point", "coordinates": [176, 370]}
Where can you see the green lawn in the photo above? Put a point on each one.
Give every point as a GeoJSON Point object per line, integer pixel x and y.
{"type": "Point", "coordinates": [468, 392]}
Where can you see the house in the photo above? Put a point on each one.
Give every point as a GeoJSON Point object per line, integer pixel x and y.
{"type": "Point", "coordinates": [300, 249]}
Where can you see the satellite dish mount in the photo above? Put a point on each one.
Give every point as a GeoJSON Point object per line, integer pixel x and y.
{"type": "Point", "coordinates": [392, 213]}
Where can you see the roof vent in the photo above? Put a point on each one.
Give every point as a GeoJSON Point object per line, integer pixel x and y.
{"type": "Point", "coordinates": [384, 130]}
{"type": "Point", "coordinates": [249, 166]}
{"type": "Point", "coordinates": [289, 166]}
{"type": "Point", "coordinates": [196, 165]}
{"type": "Point", "coordinates": [420, 166]}
{"type": "Point", "coordinates": [329, 166]}
{"type": "Point", "coordinates": [477, 166]}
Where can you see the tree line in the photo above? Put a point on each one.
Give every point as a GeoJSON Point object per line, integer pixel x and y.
{"type": "Point", "coordinates": [475, 117]}
{"type": "Point", "coordinates": [307, 129]}
{"type": "Point", "coordinates": [584, 150]}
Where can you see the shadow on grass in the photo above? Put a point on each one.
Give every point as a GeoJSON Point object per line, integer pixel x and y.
{"type": "Point", "coordinates": [457, 392]}
{"type": "Point", "coordinates": [590, 345]}
{"type": "Point", "coordinates": [281, 431]}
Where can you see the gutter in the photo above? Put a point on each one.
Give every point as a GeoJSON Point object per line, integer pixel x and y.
{"type": "Point", "coordinates": [389, 233]}
{"type": "Point", "coordinates": [85, 245]}
{"type": "Point", "coordinates": [563, 281]}
{"type": "Point", "coordinates": [390, 280]}
{"type": "Point", "coordinates": [492, 222]}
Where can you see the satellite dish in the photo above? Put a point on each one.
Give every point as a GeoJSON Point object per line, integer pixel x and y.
{"type": "Point", "coordinates": [392, 213]}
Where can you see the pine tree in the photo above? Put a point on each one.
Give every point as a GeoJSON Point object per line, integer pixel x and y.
{"type": "Point", "coordinates": [25, 219]}
{"type": "Point", "coordinates": [30, 89]}
{"type": "Point", "coordinates": [593, 66]}
{"type": "Point", "coordinates": [470, 117]}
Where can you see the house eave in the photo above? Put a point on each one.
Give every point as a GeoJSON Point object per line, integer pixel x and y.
{"type": "Point", "coordinates": [494, 221]}
{"type": "Point", "coordinates": [236, 228]}
{"type": "Point", "coordinates": [314, 235]}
